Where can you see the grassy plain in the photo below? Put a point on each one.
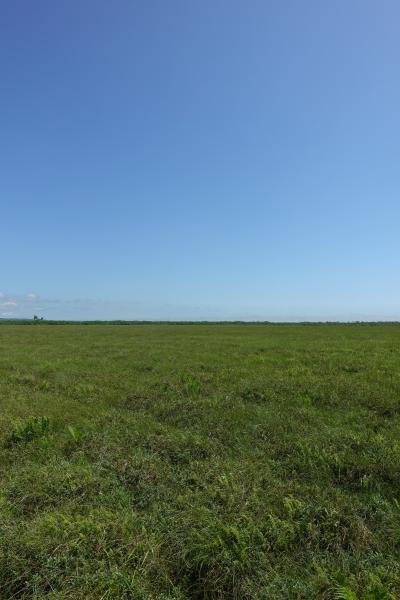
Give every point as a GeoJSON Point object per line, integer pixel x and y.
{"type": "Point", "coordinates": [178, 462]}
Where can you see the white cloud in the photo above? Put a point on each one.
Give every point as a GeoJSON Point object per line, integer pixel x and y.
{"type": "Point", "coordinates": [9, 303]}
{"type": "Point", "coordinates": [31, 296]}
{"type": "Point", "coordinates": [2, 295]}
{"type": "Point", "coordinates": [7, 314]}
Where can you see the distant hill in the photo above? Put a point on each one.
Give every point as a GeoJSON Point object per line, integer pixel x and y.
{"type": "Point", "coordinates": [15, 319]}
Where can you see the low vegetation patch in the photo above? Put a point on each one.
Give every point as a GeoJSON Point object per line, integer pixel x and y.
{"type": "Point", "coordinates": [31, 429]}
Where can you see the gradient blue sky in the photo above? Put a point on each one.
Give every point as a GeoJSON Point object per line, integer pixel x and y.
{"type": "Point", "coordinates": [214, 159]}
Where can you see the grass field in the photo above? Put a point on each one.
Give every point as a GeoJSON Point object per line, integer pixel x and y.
{"type": "Point", "coordinates": [199, 461]}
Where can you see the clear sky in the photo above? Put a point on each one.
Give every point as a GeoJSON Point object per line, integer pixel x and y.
{"type": "Point", "coordinates": [213, 159]}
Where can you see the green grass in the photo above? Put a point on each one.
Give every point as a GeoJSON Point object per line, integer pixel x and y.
{"type": "Point", "coordinates": [180, 462]}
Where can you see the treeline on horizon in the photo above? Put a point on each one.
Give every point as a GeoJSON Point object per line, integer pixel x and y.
{"type": "Point", "coordinates": [41, 321]}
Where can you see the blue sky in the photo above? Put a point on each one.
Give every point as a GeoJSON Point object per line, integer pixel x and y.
{"type": "Point", "coordinates": [214, 159]}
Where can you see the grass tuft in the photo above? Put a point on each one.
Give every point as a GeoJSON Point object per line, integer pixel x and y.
{"type": "Point", "coordinates": [31, 429]}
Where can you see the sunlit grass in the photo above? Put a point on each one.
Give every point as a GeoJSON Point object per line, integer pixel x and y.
{"type": "Point", "coordinates": [200, 461]}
